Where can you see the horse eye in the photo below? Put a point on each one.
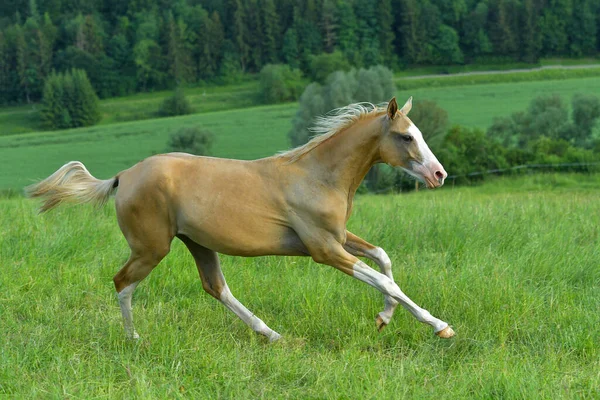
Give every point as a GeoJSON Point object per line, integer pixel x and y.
{"type": "Point", "coordinates": [407, 138]}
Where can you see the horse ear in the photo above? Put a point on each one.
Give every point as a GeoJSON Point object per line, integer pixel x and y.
{"type": "Point", "coordinates": [392, 108]}
{"type": "Point", "coordinates": [407, 106]}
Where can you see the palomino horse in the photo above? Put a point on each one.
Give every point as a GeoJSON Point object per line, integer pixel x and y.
{"type": "Point", "coordinates": [295, 203]}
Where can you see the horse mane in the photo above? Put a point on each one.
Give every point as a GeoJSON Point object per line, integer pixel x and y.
{"type": "Point", "coordinates": [332, 123]}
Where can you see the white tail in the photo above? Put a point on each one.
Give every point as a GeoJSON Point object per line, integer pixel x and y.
{"type": "Point", "coordinates": [72, 183]}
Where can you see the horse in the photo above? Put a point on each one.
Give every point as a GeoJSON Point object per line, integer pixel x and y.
{"type": "Point", "coordinates": [294, 203]}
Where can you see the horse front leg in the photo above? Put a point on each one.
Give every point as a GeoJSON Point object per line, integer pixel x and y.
{"type": "Point", "coordinates": [361, 248]}
{"type": "Point", "coordinates": [332, 253]}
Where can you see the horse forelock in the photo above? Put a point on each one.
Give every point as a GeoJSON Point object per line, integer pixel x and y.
{"type": "Point", "coordinates": [331, 124]}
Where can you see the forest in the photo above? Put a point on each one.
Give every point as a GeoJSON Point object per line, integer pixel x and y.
{"type": "Point", "coordinates": [144, 45]}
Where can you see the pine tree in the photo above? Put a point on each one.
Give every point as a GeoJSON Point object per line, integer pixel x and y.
{"type": "Point", "coordinates": [271, 31]}
{"type": "Point", "coordinates": [347, 31]}
{"type": "Point", "coordinates": [329, 25]}
{"type": "Point", "coordinates": [582, 28]}
{"type": "Point", "coordinates": [386, 35]}
{"type": "Point", "coordinates": [531, 34]}
{"type": "Point", "coordinates": [290, 48]}
{"type": "Point", "coordinates": [241, 34]}
{"type": "Point", "coordinates": [52, 110]}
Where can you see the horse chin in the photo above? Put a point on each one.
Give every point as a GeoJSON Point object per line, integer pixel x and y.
{"type": "Point", "coordinates": [422, 177]}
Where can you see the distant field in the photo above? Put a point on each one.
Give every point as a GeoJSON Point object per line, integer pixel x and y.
{"type": "Point", "coordinates": [241, 133]}
{"type": "Point", "coordinates": [511, 265]}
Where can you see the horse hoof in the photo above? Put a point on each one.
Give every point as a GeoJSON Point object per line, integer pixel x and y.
{"type": "Point", "coordinates": [446, 333]}
{"type": "Point", "coordinates": [274, 337]}
{"type": "Point", "coordinates": [380, 323]}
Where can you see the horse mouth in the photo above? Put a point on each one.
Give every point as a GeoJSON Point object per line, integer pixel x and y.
{"type": "Point", "coordinates": [432, 183]}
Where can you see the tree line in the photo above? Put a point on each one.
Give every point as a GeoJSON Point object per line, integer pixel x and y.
{"type": "Point", "coordinates": [143, 45]}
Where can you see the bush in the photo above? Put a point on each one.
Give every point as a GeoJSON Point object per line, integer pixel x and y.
{"type": "Point", "coordinates": [325, 64]}
{"type": "Point", "coordinates": [374, 85]}
{"type": "Point", "coordinates": [548, 116]}
{"type": "Point", "coordinates": [177, 104]}
{"type": "Point", "coordinates": [586, 111]}
{"type": "Point", "coordinates": [191, 140]}
{"type": "Point", "coordinates": [69, 101]}
{"type": "Point", "coordinates": [279, 83]}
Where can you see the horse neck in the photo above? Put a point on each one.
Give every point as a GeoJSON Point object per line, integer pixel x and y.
{"type": "Point", "coordinates": [346, 157]}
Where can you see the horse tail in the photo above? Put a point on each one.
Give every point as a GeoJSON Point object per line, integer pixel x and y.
{"type": "Point", "coordinates": [72, 183]}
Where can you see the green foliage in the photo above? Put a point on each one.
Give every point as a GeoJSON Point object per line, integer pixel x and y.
{"type": "Point", "coordinates": [145, 46]}
{"type": "Point", "coordinates": [191, 140]}
{"type": "Point", "coordinates": [177, 104]}
{"type": "Point", "coordinates": [585, 114]}
{"type": "Point", "coordinates": [323, 65]}
{"type": "Point", "coordinates": [548, 116]}
{"type": "Point", "coordinates": [279, 83]}
{"type": "Point", "coordinates": [69, 101]}
{"type": "Point", "coordinates": [466, 150]}
{"type": "Point", "coordinates": [373, 85]}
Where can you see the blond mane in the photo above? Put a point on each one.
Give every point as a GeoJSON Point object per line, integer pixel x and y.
{"type": "Point", "coordinates": [331, 124]}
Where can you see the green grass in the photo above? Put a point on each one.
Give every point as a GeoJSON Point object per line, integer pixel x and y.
{"type": "Point", "coordinates": [512, 265]}
{"type": "Point", "coordinates": [478, 105]}
{"type": "Point", "coordinates": [513, 77]}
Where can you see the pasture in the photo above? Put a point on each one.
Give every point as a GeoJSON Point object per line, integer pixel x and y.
{"type": "Point", "coordinates": [512, 265]}
{"type": "Point", "coordinates": [240, 133]}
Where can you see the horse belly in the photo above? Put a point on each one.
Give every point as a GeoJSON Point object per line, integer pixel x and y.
{"type": "Point", "coordinates": [247, 238]}
{"type": "Point", "coordinates": [241, 225]}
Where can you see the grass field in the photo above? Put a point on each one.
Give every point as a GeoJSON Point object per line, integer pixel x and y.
{"type": "Point", "coordinates": [512, 265]}
{"type": "Point", "coordinates": [240, 133]}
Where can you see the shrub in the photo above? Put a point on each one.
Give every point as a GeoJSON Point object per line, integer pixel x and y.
{"type": "Point", "coordinates": [279, 82]}
{"type": "Point", "coordinates": [373, 85]}
{"type": "Point", "coordinates": [586, 111]}
{"type": "Point", "coordinates": [548, 116]}
{"type": "Point", "coordinates": [323, 65]}
{"type": "Point", "coordinates": [177, 104]}
{"type": "Point", "coordinates": [191, 140]}
{"type": "Point", "coordinates": [69, 101]}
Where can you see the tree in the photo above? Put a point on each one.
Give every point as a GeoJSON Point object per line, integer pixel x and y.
{"type": "Point", "coordinates": [279, 83]}
{"type": "Point", "coordinates": [328, 25]}
{"type": "Point", "coordinates": [586, 111]}
{"type": "Point", "coordinates": [191, 140]}
{"type": "Point", "coordinates": [322, 65]}
{"type": "Point", "coordinates": [373, 85]}
{"type": "Point", "coordinates": [177, 104]}
{"type": "Point", "coordinates": [69, 101]}
{"type": "Point", "coordinates": [270, 26]}
{"type": "Point", "coordinates": [347, 32]}
{"type": "Point", "coordinates": [290, 48]}
{"type": "Point", "coordinates": [241, 34]}
{"type": "Point", "coordinates": [582, 28]}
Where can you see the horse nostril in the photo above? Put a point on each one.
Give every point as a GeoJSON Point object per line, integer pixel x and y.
{"type": "Point", "coordinates": [439, 174]}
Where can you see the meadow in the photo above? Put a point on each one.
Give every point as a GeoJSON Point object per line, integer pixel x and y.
{"type": "Point", "coordinates": [512, 265]}
{"type": "Point", "coordinates": [245, 133]}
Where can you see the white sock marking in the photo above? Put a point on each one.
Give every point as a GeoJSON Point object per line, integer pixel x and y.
{"type": "Point", "coordinates": [387, 286]}
{"type": "Point", "coordinates": [125, 303]}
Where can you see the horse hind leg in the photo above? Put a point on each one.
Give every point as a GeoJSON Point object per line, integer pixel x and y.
{"type": "Point", "coordinates": [126, 280]}
{"type": "Point", "coordinates": [214, 284]}
{"type": "Point", "coordinates": [150, 241]}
